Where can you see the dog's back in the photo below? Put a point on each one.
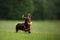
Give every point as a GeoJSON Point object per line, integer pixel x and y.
{"type": "Point", "coordinates": [20, 26]}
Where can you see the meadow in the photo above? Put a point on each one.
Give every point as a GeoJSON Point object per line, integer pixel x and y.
{"type": "Point", "coordinates": [40, 30]}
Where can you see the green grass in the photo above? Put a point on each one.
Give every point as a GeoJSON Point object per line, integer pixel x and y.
{"type": "Point", "coordinates": [40, 30]}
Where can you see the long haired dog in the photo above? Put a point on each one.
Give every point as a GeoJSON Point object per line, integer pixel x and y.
{"type": "Point", "coordinates": [26, 25]}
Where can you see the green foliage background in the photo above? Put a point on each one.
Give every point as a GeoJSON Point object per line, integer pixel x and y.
{"type": "Point", "coordinates": [40, 9]}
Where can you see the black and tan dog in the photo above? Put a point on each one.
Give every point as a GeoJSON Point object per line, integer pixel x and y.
{"type": "Point", "coordinates": [26, 25]}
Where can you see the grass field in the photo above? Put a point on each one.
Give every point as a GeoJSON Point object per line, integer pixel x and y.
{"type": "Point", "coordinates": [40, 30]}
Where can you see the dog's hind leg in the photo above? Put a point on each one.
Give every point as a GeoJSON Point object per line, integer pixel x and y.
{"type": "Point", "coordinates": [17, 29]}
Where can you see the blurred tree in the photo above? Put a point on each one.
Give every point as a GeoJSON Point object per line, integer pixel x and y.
{"type": "Point", "coordinates": [40, 9]}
